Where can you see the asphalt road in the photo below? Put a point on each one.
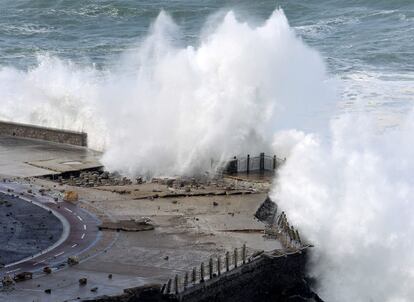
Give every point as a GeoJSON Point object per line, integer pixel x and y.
{"type": "Point", "coordinates": [25, 229]}
{"type": "Point", "coordinates": [80, 232]}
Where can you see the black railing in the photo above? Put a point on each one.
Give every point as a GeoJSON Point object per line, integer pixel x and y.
{"type": "Point", "coordinates": [249, 164]}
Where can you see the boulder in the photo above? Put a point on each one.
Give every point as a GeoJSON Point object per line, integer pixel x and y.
{"type": "Point", "coordinates": [23, 276]}
{"type": "Point", "coordinates": [70, 196]}
{"type": "Point", "coordinates": [73, 260]}
{"type": "Point", "coordinates": [267, 211]}
{"type": "Point", "coordinates": [7, 281]}
{"type": "Point", "coordinates": [83, 281]}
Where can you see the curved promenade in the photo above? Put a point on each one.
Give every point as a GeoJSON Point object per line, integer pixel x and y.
{"type": "Point", "coordinates": [80, 232]}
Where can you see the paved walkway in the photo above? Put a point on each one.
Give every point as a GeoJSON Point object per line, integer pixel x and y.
{"type": "Point", "coordinates": [25, 157]}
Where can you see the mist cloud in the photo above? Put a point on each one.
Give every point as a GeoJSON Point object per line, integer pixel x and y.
{"type": "Point", "coordinates": [352, 197]}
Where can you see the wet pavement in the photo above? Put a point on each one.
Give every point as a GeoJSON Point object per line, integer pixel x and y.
{"type": "Point", "coordinates": [25, 157]}
{"type": "Point", "coordinates": [192, 223]}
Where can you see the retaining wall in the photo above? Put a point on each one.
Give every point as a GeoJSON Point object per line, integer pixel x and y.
{"type": "Point", "coordinates": [268, 278]}
{"type": "Point", "coordinates": [43, 133]}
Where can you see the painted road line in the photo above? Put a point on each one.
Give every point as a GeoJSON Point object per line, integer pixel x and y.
{"type": "Point", "coordinates": [79, 218]}
{"type": "Point", "coordinates": [68, 210]}
{"type": "Point", "coordinates": [75, 245]}
{"type": "Point", "coordinates": [61, 253]}
{"type": "Point", "coordinates": [84, 227]}
{"type": "Point", "coordinates": [83, 236]}
{"type": "Point", "coordinates": [12, 271]}
{"type": "Point", "coordinates": [34, 264]}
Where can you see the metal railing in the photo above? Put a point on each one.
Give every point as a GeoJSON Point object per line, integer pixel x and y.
{"type": "Point", "coordinates": [249, 164]}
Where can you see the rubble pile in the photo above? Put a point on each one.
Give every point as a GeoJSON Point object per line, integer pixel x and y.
{"type": "Point", "coordinates": [96, 179]}
{"type": "Point", "coordinates": [188, 184]}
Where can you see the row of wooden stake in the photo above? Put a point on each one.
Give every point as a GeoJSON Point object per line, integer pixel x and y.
{"type": "Point", "coordinates": [213, 271]}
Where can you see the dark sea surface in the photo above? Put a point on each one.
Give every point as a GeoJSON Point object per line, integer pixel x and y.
{"type": "Point", "coordinates": [367, 44]}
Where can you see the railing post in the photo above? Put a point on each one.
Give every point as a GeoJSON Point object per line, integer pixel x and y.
{"type": "Point", "coordinates": [262, 163]}
{"type": "Point", "coordinates": [274, 162]}
{"type": "Point", "coordinates": [248, 164]}
{"type": "Point", "coordinates": [236, 168]}
{"type": "Point", "coordinates": [219, 265]}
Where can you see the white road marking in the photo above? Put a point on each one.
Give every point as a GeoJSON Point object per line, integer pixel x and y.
{"type": "Point", "coordinates": [61, 253]}
{"type": "Point", "coordinates": [83, 236]}
{"type": "Point", "coordinates": [75, 245]}
{"type": "Point", "coordinates": [12, 271]}
{"type": "Point", "coordinates": [34, 264]}
{"type": "Point", "coordinates": [84, 227]}
{"type": "Point", "coordinates": [68, 210]}
{"type": "Point", "coordinates": [79, 218]}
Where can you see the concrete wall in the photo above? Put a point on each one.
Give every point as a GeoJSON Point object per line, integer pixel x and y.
{"type": "Point", "coordinates": [268, 278]}
{"type": "Point", "coordinates": [265, 279]}
{"type": "Point", "coordinates": [48, 134]}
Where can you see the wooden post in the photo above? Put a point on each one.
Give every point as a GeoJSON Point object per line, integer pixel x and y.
{"type": "Point", "coordinates": [176, 284]}
{"type": "Point", "coordinates": [227, 261]}
{"type": "Point", "coordinates": [219, 265]}
{"type": "Point", "coordinates": [297, 235]}
{"type": "Point", "coordinates": [169, 286]}
{"type": "Point", "coordinates": [244, 253]}
{"type": "Point", "coordinates": [274, 162]}
{"type": "Point", "coordinates": [235, 257]}
{"type": "Point", "coordinates": [194, 276]}
{"type": "Point", "coordinates": [186, 280]}
{"type": "Point", "coordinates": [202, 272]}
{"type": "Point", "coordinates": [210, 268]}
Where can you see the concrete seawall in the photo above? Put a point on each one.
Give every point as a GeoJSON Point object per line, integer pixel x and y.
{"type": "Point", "coordinates": [269, 277]}
{"type": "Point", "coordinates": [43, 133]}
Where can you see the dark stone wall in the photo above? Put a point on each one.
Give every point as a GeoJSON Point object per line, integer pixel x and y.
{"type": "Point", "coordinates": [267, 212]}
{"type": "Point", "coordinates": [48, 134]}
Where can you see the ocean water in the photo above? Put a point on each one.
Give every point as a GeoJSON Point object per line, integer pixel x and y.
{"type": "Point", "coordinates": [367, 44]}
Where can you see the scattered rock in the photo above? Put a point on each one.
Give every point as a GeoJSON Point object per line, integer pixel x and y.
{"type": "Point", "coordinates": [48, 291]}
{"type": "Point", "coordinates": [94, 289]}
{"type": "Point", "coordinates": [110, 276]}
{"type": "Point", "coordinates": [47, 270]}
{"type": "Point", "coordinates": [215, 204]}
{"type": "Point", "coordinates": [23, 276]}
{"type": "Point", "coordinates": [70, 196]}
{"type": "Point", "coordinates": [7, 281]}
{"type": "Point", "coordinates": [83, 281]}
{"type": "Point", "coordinates": [73, 260]}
